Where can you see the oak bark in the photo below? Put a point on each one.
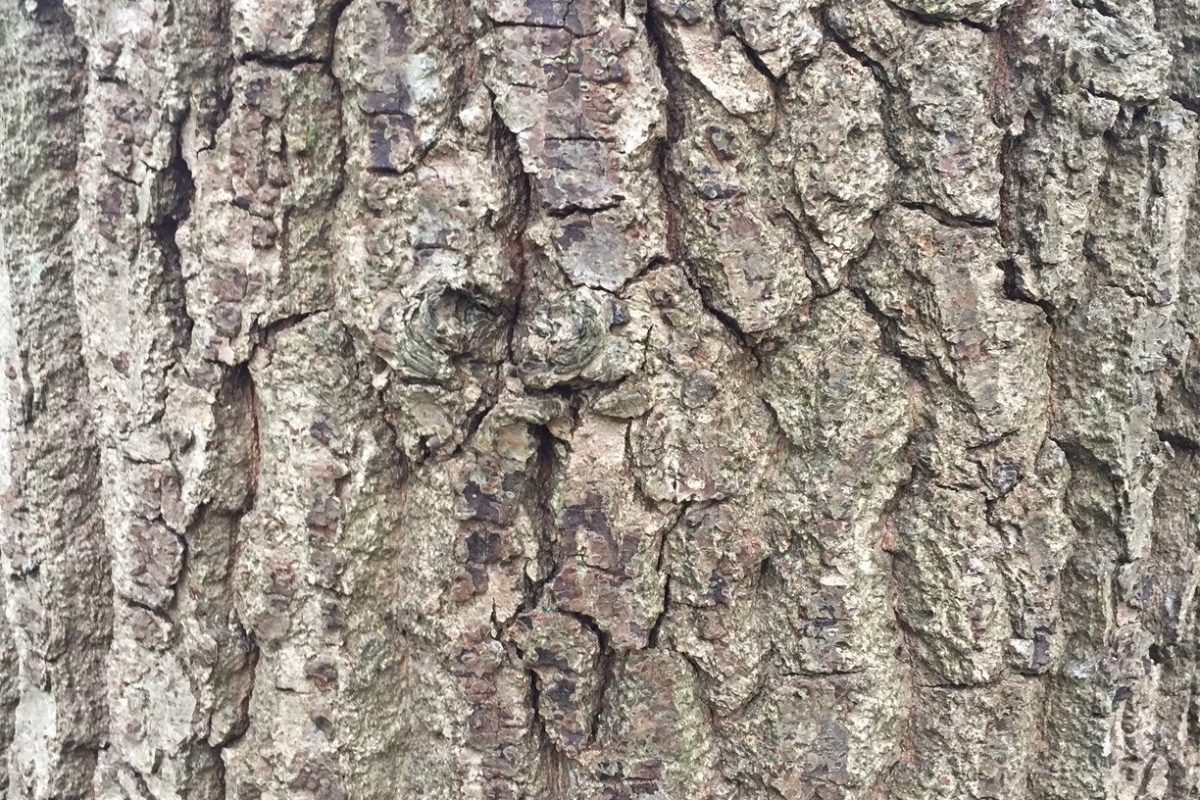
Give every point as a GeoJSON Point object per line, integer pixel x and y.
{"type": "Point", "coordinates": [740, 400]}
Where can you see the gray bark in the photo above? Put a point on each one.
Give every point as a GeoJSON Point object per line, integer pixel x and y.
{"type": "Point", "coordinates": [598, 399]}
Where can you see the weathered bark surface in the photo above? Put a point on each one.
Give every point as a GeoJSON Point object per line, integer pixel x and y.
{"type": "Point", "coordinates": [758, 399]}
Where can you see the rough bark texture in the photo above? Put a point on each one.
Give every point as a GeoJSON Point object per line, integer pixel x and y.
{"type": "Point", "coordinates": [737, 400]}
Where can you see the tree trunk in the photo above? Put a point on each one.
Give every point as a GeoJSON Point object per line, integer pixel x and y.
{"type": "Point", "coordinates": [735, 400]}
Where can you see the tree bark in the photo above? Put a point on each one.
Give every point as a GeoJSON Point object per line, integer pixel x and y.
{"type": "Point", "coordinates": [745, 400]}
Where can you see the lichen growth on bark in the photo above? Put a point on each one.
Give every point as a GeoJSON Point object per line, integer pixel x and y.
{"type": "Point", "coordinates": [555, 399]}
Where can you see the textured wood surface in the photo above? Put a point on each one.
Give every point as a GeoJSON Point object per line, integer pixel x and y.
{"type": "Point", "coordinates": [557, 399]}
